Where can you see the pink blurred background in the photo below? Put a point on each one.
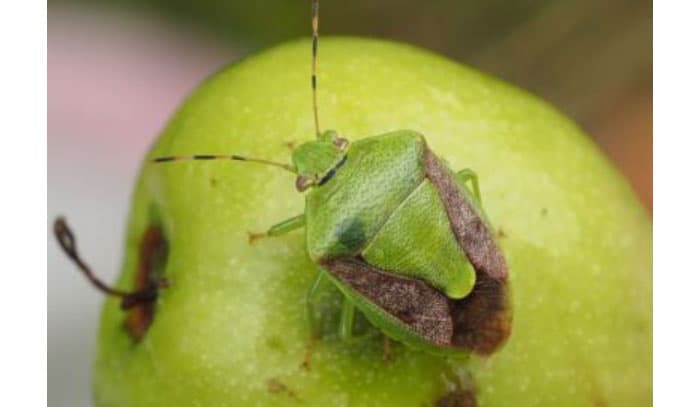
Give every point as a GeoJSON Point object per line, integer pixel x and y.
{"type": "Point", "coordinates": [112, 83]}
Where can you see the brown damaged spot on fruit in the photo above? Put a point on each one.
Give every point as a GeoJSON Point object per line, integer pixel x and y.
{"type": "Point", "coordinates": [152, 255]}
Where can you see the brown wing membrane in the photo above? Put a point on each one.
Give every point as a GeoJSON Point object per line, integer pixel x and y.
{"type": "Point", "coordinates": [421, 307]}
{"type": "Point", "coordinates": [482, 320]}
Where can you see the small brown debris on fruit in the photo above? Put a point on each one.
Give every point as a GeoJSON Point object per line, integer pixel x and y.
{"type": "Point", "coordinates": [458, 398]}
{"type": "Point", "coordinates": [388, 355]}
{"type": "Point", "coordinates": [253, 237]}
{"type": "Point", "coordinates": [308, 353]}
{"type": "Point", "coordinates": [276, 386]}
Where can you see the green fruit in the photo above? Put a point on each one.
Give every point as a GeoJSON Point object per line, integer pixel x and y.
{"type": "Point", "coordinates": [232, 330]}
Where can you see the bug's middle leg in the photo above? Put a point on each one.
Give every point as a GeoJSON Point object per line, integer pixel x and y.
{"type": "Point", "coordinates": [347, 320]}
{"type": "Point", "coordinates": [468, 175]}
{"type": "Point", "coordinates": [311, 298]}
{"type": "Point", "coordinates": [347, 324]}
{"type": "Point", "coordinates": [280, 229]}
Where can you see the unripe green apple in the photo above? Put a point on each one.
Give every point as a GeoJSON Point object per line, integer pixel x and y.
{"type": "Point", "coordinates": [231, 329]}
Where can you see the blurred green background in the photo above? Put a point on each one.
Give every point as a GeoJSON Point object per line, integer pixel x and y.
{"type": "Point", "coordinates": [590, 58]}
{"type": "Point", "coordinates": [117, 69]}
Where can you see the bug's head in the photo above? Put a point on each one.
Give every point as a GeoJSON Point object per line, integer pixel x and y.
{"type": "Point", "coordinates": [316, 161]}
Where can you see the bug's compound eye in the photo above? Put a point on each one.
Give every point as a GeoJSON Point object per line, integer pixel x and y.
{"type": "Point", "coordinates": [341, 143]}
{"type": "Point", "coordinates": [303, 183]}
{"type": "Point", "coordinates": [329, 135]}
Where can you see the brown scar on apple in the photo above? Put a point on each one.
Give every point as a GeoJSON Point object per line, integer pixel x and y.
{"type": "Point", "coordinates": [153, 248]}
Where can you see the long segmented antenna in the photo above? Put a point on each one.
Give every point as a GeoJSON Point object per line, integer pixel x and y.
{"type": "Point", "coordinates": [314, 55]}
{"type": "Point", "coordinates": [225, 157]}
{"type": "Point", "coordinates": [129, 299]}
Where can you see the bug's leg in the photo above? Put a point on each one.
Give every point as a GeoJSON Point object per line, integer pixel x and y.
{"type": "Point", "coordinates": [280, 229]}
{"type": "Point", "coordinates": [311, 297]}
{"type": "Point", "coordinates": [347, 320]}
{"type": "Point", "coordinates": [347, 324]}
{"type": "Point", "coordinates": [388, 350]}
{"type": "Point", "coordinates": [467, 175]}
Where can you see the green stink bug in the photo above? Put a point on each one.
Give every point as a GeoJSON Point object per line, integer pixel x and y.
{"type": "Point", "coordinates": [399, 234]}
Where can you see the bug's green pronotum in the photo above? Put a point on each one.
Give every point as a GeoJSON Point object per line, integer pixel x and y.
{"type": "Point", "coordinates": [403, 237]}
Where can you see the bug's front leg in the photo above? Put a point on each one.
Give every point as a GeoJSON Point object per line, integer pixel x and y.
{"type": "Point", "coordinates": [468, 175]}
{"type": "Point", "coordinates": [280, 229]}
{"type": "Point", "coordinates": [347, 324]}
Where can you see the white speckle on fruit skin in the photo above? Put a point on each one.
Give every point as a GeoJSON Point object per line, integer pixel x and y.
{"type": "Point", "coordinates": [445, 98]}
{"type": "Point", "coordinates": [574, 306]}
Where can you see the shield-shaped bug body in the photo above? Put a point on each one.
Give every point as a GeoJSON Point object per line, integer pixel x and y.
{"type": "Point", "coordinates": [399, 233]}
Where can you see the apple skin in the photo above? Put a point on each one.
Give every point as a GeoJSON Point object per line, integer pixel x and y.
{"type": "Point", "coordinates": [232, 328]}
